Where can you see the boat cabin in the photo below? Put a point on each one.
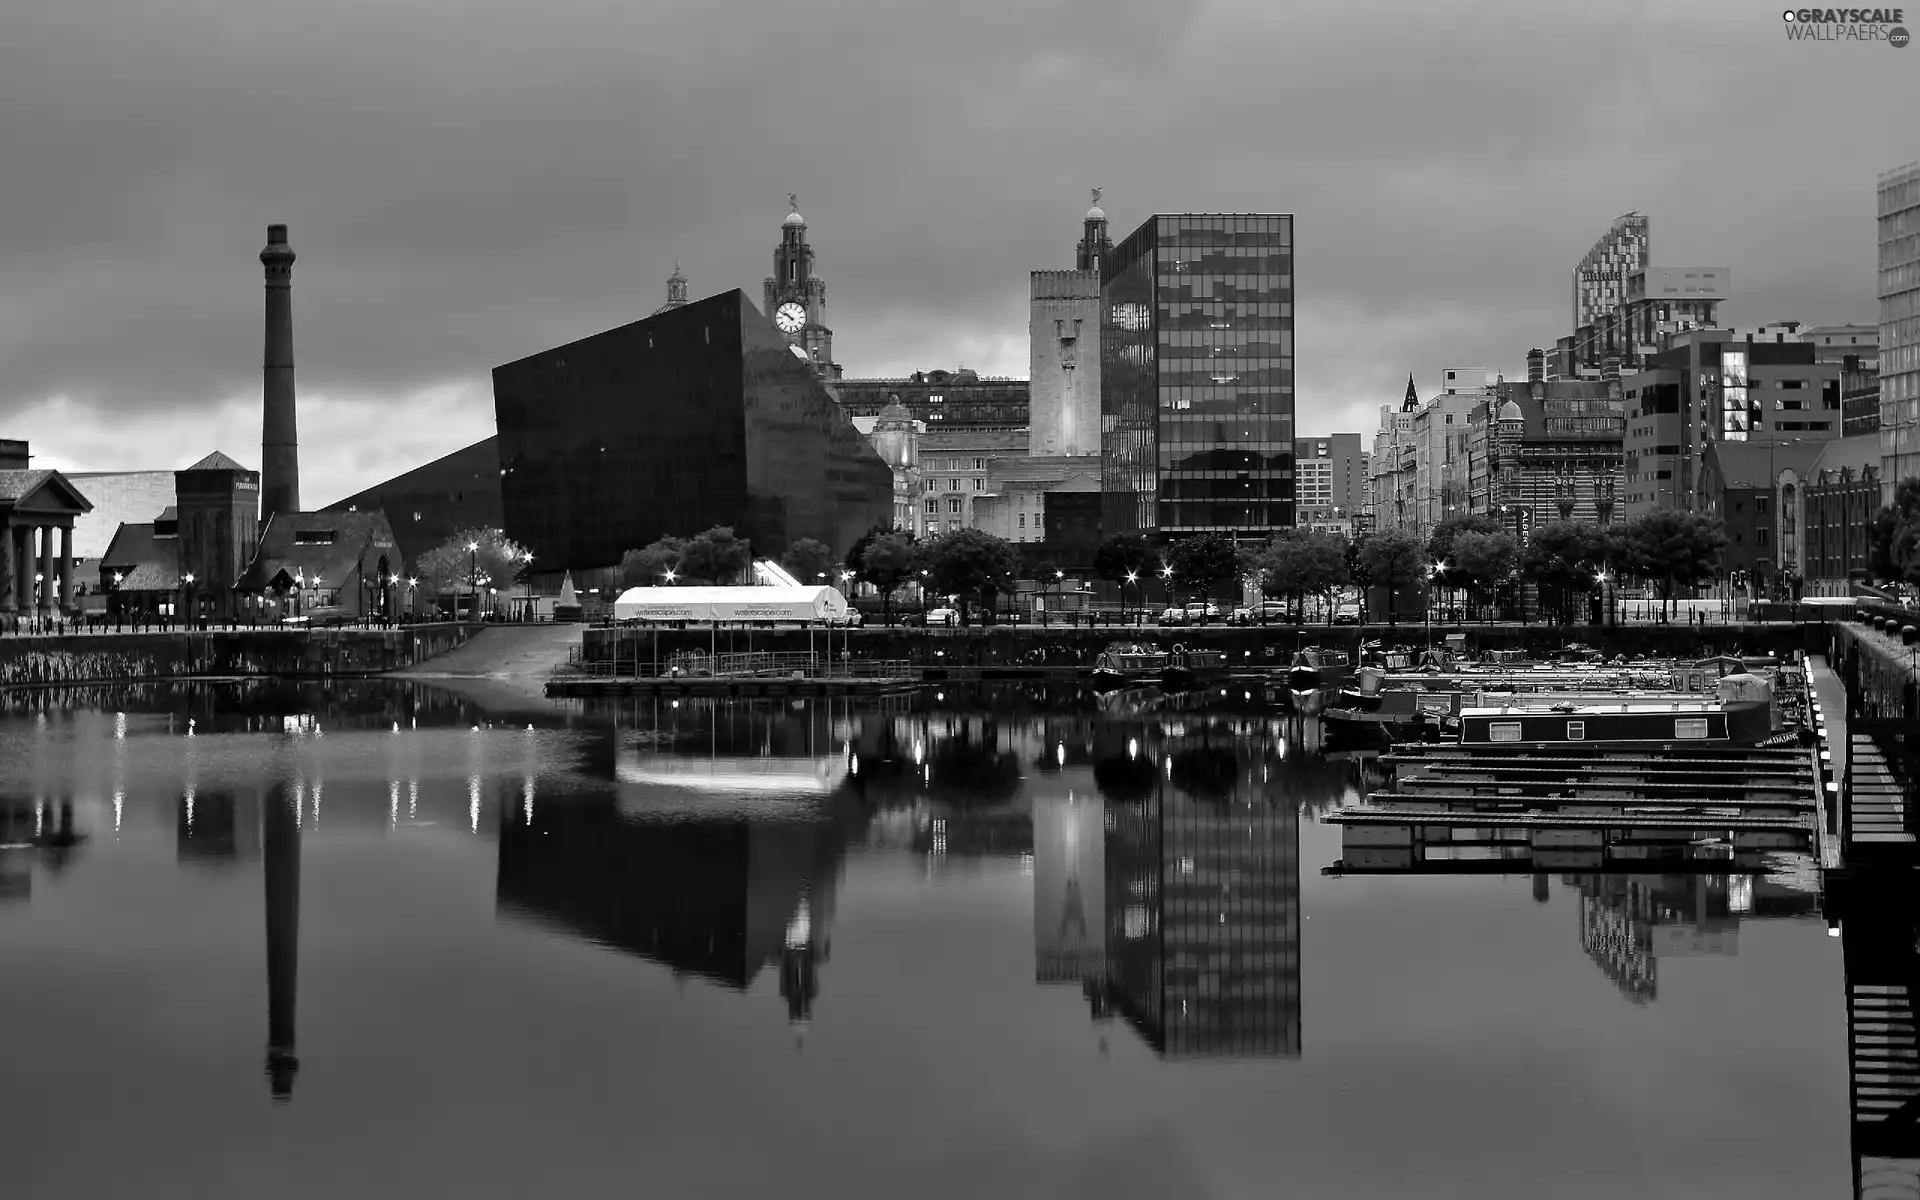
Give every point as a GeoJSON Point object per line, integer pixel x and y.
{"type": "Point", "coordinates": [1639, 720]}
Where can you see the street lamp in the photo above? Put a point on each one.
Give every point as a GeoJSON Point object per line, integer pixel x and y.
{"type": "Point", "coordinates": [187, 597]}
{"type": "Point", "coordinates": [473, 576]}
{"type": "Point", "coordinates": [670, 576]}
{"type": "Point", "coordinates": [526, 573]}
{"type": "Point", "coordinates": [1133, 577]}
{"type": "Point", "coordinates": [115, 603]}
{"type": "Point", "coordinates": [299, 591]}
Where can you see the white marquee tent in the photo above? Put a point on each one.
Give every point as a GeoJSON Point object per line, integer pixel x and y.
{"type": "Point", "coordinates": [804, 605]}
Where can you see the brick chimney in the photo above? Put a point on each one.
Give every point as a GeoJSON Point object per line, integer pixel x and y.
{"type": "Point", "coordinates": [1536, 365]}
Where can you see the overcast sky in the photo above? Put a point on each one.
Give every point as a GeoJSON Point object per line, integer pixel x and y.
{"type": "Point", "coordinates": [467, 184]}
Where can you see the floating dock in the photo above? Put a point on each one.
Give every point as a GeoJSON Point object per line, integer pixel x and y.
{"type": "Point", "coordinates": [723, 686]}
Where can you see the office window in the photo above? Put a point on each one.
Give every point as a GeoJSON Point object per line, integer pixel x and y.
{"type": "Point", "coordinates": [1023, 520]}
{"type": "Point", "coordinates": [953, 485]}
{"type": "Point", "coordinates": [933, 506]}
{"type": "Point", "coordinates": [953, 505]}
{"type": "Point", "coordinates": [979, 464]}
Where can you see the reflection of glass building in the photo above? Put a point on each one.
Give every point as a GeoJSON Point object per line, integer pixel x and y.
{"type": "Point", "coordinates": [1197, 398]}
{"type": "Point", "coordinates": [718, 898]}
{"type": "Point", "coordinates": [1203, 921]}
{"type": "Point", "coordinates": [699, 416]}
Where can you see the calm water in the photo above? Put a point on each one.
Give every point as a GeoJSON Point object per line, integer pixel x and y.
{"type": "Point", "coordinates": [387, 941]}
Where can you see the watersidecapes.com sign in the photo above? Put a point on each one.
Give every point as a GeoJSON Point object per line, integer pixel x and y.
{"type": "Point", "coordinates": [1847, 25]}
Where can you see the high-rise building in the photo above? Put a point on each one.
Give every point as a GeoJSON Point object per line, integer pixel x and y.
{"type": "Point", "coordinates": [1390, 466]}
{"type": "Point", "coordinates": [1600, 286]}
{"type": "Point", "coordinates": [1899, 207]}
{"type": "Point", "coordinates": [1063, 336]}
{"type": "Point", "coordinates": [796, 298]}
{"type": "Point", "coordinates": [1329, 481]}
{"type": "Point", "coordinates": [1197, 376]}
{"type": "Point", "coordinates": [701, 416]}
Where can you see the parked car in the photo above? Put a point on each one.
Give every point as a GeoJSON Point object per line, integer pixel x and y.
{"type": "Point", "coordinates": [943, 616]}
{"type": "Point", "coordinates": [1260, 614]}
{"type": "Point", "coordinates": [1347, 614]}
{"type": "Point", "coordinates": [852, 620]}
{"type": "Point", "coordinates": [1203, 610]}
{"type": "Point", "coordinates": [1174, 616]}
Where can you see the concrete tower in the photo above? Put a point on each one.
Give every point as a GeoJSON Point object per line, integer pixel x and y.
{"type": "Point", "coordinates": [1063, 340]}
{"type": "Point", "coordinates": [279, 435]}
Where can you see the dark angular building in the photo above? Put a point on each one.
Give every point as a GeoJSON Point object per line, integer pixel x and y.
{"type": "Point", "coordinates": [698, 416]}
{"type": "Point", "coordinates": [1196, 387]}
{"type": "Point", "coordinates": [428, 505]}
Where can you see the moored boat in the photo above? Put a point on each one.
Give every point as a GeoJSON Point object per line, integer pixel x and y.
{"type": "Point", "coordinates": [1123, 664]}
{"type": "Point", "coordinates": [1315, 678]}
{"type": "Point", "coordinates": [1189, 668]}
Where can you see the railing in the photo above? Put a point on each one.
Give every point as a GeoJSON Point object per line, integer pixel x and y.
{"type": "Point", "coordinates": [750, 665]}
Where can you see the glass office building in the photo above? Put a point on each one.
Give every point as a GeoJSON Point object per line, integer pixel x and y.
{"type": "Point", "coordinates": [1196, 389]}
{"type": "Point", "coordinates": [695, 417]}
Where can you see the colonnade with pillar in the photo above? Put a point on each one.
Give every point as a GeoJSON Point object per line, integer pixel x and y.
{"type": "Point", "coordinates": [38, 578]}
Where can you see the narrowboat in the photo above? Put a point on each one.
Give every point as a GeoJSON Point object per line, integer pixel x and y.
{"type": "Point", "coordinates": [1123, 664]}
{"type": "Point", "coordinates": [1315, 678]}
{"type": "Point", "coordinates": [1660, 721]}
{"type": "Point", "coordinates": [1189, 668]}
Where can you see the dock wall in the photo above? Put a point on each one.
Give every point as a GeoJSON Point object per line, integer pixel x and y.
{"type": "Point", "coordinates": [284, 653]}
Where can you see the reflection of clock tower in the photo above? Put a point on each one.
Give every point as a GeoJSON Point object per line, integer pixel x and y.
{"type": "Point", "coordinates": [796, 298]}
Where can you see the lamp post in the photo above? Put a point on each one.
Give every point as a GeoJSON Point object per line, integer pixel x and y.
{"type": "Point", "coordinates": [1433, 573]}
{"type": "Point", "coordinates": [1133, 577]}
{"type": "Point", "coordinates": [473, 576]}
{"type": "Point", "coordinates": [187, 598]}
{"type": "Point", "coordinates": [299, 591]}
{"type": "Point", "coordinates": [526, 574]}
{"type": "Point", "coordinates": [1606, 607]}
{"type": "Point", "coordinates": [1166, 582]}
{"type": "Point", "coordinates": [116, 603]}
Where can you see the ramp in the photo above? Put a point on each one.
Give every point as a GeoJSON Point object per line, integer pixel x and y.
{"type": "Point", "coordinates": [502, 650]}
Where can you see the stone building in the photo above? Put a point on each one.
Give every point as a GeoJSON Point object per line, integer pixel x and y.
{"type": "Point", "coordinates": [331, 563]}
{"type": "Point", "coordinates": [795, 298]}
{"type": "Point", "coordinates": [1754, 491]}
{"type": "Point", "coordinates": [1026, 497]}
{"type": "Point", "coordinates": [37, 512]}
{"type": "Point", "coordinates": [1063, 335]}
{"type": "Point", "coordinates": [1390, 465]}
{"type": "Point", "coordinates": [954, 465]}
{"type": "Point", "coordinates": [895, 437]}
{"type": "Point", "coordinates": [1546, 450]}
{"type": "Point", "coordinates": [942, 399]}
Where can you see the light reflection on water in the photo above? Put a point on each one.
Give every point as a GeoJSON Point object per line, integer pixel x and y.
{"type": "Point", "coordinates": [1032, 943]}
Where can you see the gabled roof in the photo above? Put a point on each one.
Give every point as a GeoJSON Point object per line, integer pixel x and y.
{"type": "Point", "coordinates": [1854, 454]}
{"type": "Point", "coordinates": [216, 462]}
{"type": "Point", "coordinates": [17, 487]}
{"type": "Point", "coordinates": [147, 562]}
{"type": "Point", "coordinates": [289, 548]}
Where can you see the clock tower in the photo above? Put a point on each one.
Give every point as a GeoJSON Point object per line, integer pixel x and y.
{"type": "Point", "coordinates": [796, 298]}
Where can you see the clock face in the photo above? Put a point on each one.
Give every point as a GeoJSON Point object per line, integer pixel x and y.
{"type": "Point", "coordinates": [789, 317]}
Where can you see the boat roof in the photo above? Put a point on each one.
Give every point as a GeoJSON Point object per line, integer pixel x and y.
{"type": "Point", "coordinates": [1636, 705]}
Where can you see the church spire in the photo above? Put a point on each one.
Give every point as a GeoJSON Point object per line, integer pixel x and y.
{"type": "Point", "coordinates": [1413, 398]}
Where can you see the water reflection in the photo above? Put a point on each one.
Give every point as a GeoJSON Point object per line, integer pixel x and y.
{"type": "Point", "coordinates": [1629, 922]}
{"type": "Point", "coordinates": [281, 830]}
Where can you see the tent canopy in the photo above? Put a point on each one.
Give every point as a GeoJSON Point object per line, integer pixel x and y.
{"type": "Point", "coordinates": [730, 604]}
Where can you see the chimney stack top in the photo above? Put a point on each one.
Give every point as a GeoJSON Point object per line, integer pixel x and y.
{"type": "Point", "coordinates": [277, 235]}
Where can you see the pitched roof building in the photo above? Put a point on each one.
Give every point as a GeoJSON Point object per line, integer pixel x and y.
{"type": "Point", "coordinates": [343, 561]}
{"type": "Point", "coordinates": [37, 510]}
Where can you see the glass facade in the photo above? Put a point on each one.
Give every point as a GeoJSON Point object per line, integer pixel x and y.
{"type": "Point", "coordinates": [696, 417]}
{"type": "Point", "coordinates": [1197, 376]}
{"type": "Point", "coordinates": [1202, 897]}
{"type": "Point", "coordinates": [1899, 249]}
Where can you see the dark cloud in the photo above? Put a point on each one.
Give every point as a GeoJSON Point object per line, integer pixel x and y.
{"type": "Point", "coordinates": [468, 185]}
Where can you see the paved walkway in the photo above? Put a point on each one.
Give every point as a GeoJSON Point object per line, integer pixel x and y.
{"type": "Point", "coordinates": [502, 651]}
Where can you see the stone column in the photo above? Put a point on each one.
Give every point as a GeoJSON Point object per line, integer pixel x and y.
{"type": "Point", "coordinates": [66, 569]}
{"type": "Point", "coordinates": [9, 568]}
{"type": "Point", "coordinates": [46, 570]}
{"type": "Point", "coordinates": [23, 559]}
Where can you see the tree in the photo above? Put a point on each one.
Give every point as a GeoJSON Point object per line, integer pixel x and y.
{"type": "Point", "coordinates": [1893, 540]}
{"type": "Point", "coordinates": [1126, 559]}
{"type": "Point", "coordinates": [969, 563]}
{"type": "Point", "coordinates": [649, 565]}
{"type": "Point", "coordinates": [886, 562]}
{"type": "Point", "coordinates": [1562, 558]}
{"type": "Point", "coordinates": [1441, 541]}
{"type": "Point", "coordinates": [807, 560]}
{"type": "Point", "coordinates": [1480, 559]}
{"type": "Point", "coordinates": [716, 556]}
{"type": "Point", "coordinates": [453, 567]}
{"type": "Point", "coordinates": [1297, 563]}
{"type": "Point", "coordinates": [1204, 561]}
{"type": "Point", "coordinates": [1392, 558]}
{"type": "Point", "coordinates": [1677, 548]}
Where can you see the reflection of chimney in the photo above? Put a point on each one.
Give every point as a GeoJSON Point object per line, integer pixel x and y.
{"type": "Point", "coordinates": [1536, 365]}
{"type": "Point", "coordinates": [281, 835]}
{"type": "Point", "coordinates": [279, 438]}
{"type": "Point", "coordinates": [1540, 887]}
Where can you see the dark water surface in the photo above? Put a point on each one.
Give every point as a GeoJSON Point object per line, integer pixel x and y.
{"type": "Point", "coordinates": [386, 941]}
